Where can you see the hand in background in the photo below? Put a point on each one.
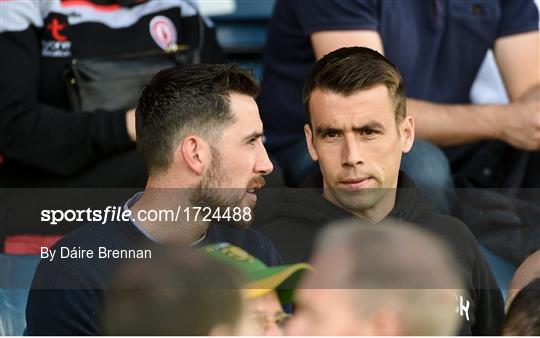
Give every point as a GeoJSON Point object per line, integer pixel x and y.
{"type": "Point", "coordinates": [521, 128]}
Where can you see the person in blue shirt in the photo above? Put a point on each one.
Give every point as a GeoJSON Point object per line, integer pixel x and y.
{"type": "Point", "coordinates": [199, 133]}
{"type": "Point", "coordinates": [438, 46]}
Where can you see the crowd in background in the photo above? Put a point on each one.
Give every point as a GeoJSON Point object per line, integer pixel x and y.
{"type": "Point", "coordinates": [391, 170]}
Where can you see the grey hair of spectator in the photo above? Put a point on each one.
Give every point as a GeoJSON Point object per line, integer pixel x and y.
{"type": "Point", "coordinates": [393, 267]}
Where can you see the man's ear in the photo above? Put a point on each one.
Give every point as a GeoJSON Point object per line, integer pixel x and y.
{"type": "Point", "coordinates": [194, 152]}
{"type": "Point", "coordinates": [309, 140]}
{"type": "Point", "coordinates": [406, 128]}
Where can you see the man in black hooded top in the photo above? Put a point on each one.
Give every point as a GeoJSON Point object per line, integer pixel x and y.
{"type": "Point", "coordinates": [358, 130]}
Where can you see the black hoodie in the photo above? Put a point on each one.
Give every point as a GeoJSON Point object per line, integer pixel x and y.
{"type": "Point", "coordinates": [299, 214]}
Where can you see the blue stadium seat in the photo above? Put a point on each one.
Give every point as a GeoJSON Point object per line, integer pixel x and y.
{"type": "Point", "coordinates": [242, 34]}
{"type": "Point", "coordinates": [16, 272]}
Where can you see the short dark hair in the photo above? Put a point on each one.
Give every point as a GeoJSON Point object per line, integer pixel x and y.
{"type": "Point", "coordinates": [183, 100]}
{"type": "Point", "coordinates": [523, 316]}
{"type": "Point", "coordinates": [351, 69]}
{"type": "Point", "coordinates": [178, 291]}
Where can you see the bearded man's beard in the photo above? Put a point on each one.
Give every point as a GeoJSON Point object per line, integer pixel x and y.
{"type": "Point", "coordinates": [210, 193]}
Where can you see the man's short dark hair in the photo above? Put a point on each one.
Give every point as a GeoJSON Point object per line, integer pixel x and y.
{"type": "Point", "coordinates": [523, 316]}
{"type": "Point", "coordinates": [183, 100]}
{"type": "Point", "coordinates": [349, 70]}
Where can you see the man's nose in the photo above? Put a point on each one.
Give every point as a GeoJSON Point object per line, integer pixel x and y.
{"type": "Point", "coordinates": [352, 153]}
{"type": "Point", "coordinates": [263, 166]}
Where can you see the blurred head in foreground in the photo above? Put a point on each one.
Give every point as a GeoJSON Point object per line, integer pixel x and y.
{"type": "Point", "coordinates": [267, 288]}
{"type": "Point", "coordinates": [527, 271]}
{"type": "Point", "coordinates": [523, 316]}
{"type": "Point", "coordinates": [177, 292]}
{"type": "Point", "coordinates": [385, 279]}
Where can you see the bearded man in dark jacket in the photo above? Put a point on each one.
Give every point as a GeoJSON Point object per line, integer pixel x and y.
{"type": "Point", "coordinates": [358, 130]}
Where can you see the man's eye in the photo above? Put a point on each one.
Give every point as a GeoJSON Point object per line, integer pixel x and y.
{"type": "Point", "coordinates": [370, 132]}
{"type": "Point", "coordinates": [330, 134]}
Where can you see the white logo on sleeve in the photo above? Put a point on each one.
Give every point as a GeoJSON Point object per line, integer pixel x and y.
{"type": "Point", "coordinates": [462, 307]}
{"type": "Point", "coordinates": [163, 31]}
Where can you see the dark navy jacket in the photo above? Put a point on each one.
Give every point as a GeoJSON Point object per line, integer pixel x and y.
{"type": "Point", "coordinates": [67, 294]}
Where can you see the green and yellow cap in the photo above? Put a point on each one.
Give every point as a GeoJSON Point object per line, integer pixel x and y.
{"type": "Point", "coordinates": [261, 278]}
